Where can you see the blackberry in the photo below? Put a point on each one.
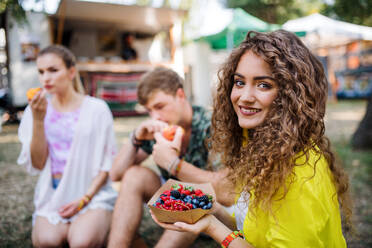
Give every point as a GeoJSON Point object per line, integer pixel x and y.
{"type": "Point", "coordinates": [176, 194]}
{"type": "Point", "coordinates": [183, 196]}
{"type": "Point", "coordinates": [204, 198]}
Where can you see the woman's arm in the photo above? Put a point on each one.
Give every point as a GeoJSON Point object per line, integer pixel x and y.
{"type": "Point", "coordinates": [221, 214]}
{"type": "Point", "coordinates": [97, 183]}
{"type": "Point", "coordinates": [39, 145]}
{"type": "Point", "coordinates": [210, 225]}
{"type": "Point", "coordinates": [74, 207]}
{"type": "Point", "coordinates": [218, 231]}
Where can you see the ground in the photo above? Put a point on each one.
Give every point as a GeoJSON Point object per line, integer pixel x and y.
{"type": "Point", "coordinates": [16, 186]}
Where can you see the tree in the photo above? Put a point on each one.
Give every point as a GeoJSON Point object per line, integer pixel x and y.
{"type": "Point", "coordinates": [14, 7]}
{"type": "Point", "coordinates": [356, 11]}
{"type": "Point", "coordinates": [362, 138]}
{"type": "Point", "coordinates": [277, 11]}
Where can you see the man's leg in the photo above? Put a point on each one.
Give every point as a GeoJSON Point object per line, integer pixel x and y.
{"type": "Point", "coordinates": [138, 185]}
{"type": "Point", "coordinates": [174, 239]}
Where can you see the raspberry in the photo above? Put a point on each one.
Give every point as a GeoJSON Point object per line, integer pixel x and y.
{"type": "Point", "coordinates": [198, 192]}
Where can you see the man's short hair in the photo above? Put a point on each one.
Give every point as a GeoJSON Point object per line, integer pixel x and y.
{"type": "Point", "coordinates": [159, 79]}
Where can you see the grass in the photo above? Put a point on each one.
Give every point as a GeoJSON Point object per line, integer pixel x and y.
{"type": "Point", "coordinates": [358, 165]}
{"type": "Point", "coordinates": [16, 186]}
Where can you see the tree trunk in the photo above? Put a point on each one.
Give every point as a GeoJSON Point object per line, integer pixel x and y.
{"type": "Point", "coordinates": [362, 138]}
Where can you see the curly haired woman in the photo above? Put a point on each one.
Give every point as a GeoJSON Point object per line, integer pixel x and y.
{"type": "Point", "coordinates": [268, 124]}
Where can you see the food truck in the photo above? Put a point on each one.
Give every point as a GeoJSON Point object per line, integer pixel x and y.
{"type": "Point", "coordinates": [114, 45]}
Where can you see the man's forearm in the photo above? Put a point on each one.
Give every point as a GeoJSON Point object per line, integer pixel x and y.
{"type": "Point", "coordinates": [123, 160]}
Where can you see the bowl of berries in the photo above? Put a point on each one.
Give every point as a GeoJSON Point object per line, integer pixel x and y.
{"type": "Point", "coordinates": [180, 201]}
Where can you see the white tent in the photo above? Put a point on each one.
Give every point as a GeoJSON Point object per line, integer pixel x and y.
{"type": "Point", "coordinates": [322, 31]}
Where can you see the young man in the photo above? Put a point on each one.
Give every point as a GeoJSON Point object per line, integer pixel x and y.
{"type": "Point", "coordinates": [161, 92]}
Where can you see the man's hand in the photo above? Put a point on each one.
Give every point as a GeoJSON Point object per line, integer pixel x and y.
{"type": "Point", "coordinates": [146, 129]}
{"type": "Point", "coordinates": [164, 151]}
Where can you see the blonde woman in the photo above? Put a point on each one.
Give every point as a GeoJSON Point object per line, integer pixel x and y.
{"type": "Point", "coordinates": [68, 138]}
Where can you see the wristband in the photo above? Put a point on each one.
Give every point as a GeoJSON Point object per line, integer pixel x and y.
{"type": "Point", "coordinates": [235, 234]}
{"type": "Point", "coordinates": [135, 142]}
{"type": "Point", "coordinates": [171, 165]}
{"type": "Point", "coordinates": [83, 202]}
{"type": "Point", "coordinates": [178, 167]}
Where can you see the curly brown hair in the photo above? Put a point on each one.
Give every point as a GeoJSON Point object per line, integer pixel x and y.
{"type": "Point", "coordinates": [294, 125]}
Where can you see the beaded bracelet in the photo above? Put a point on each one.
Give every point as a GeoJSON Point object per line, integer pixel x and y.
{"type": "Point", "coordinates": [83, 202]}
{"type": "Point", "coordinates": [235, 234]}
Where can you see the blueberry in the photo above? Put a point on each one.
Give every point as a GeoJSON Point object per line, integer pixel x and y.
{"type": "Point", "coordinates": [205, 207]}
{"type": "Point", "coordinates": [209, 206]}
{"type": "Point", "coordinates": [203, 198]}
{"type": "Point", "coordinates": [201, 204]}
{"type": "Point", "coordinates": [176, 194]}
{"type": "Point", "coordinates": [194, 206]}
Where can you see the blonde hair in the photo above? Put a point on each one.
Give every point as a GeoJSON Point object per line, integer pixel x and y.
{"type": "Point", "coordinates": [68, 59]}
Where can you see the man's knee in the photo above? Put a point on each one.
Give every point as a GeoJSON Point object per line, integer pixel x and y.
{"type": "Point", "coordinates": [138, 178]}
{"type": "Point", "coordinates": [174, 239]}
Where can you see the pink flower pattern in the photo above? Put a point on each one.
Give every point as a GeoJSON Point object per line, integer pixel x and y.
{"type": "Point", "coordinates": [59, 130]}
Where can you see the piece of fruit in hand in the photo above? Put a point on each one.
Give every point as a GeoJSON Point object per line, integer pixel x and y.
{"type": "Point", "coordinates": [32, 92]}
{"type": "Point", "coordinates": [170, 131]}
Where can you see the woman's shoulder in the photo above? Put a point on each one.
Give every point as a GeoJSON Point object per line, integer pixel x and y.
{"type": "Point", "coordinates": [310, 160]}
{"type": "Point", "coordinates": [312, 172]}
{"type": "Point", "coordinates": [96, 103]}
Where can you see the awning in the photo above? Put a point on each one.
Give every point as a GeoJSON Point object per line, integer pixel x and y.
{"type": "Point", "coordinates": [119, 16]}
{"type": "Point", "coordinates": [322, 31]}
{"type": "Point", "coordinates": [236, 30]}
